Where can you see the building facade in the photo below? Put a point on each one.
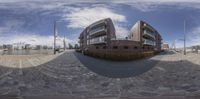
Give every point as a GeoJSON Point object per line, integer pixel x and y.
{"type": "Point", "coordinates": [165, 46]}
{"type": "Point", "coordinates": [99, 40]}
{"type": "Point", "coordinates": [149, 37]}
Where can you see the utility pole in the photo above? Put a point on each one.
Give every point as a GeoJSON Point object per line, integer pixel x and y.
{"type": "Point", "coordinates": [184, 39]}
{"type": "Point", "coordinates": [173, 46]}
{"type": "Point", "coordinates": [64, 43]}
{"type": "Point", "coordinates": [55, 36]}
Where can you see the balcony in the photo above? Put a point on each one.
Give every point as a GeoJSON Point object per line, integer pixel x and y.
{"type": "Point", "coordinates": [98, 31]}
{"type": "Point", "coordinates": [149, 27]}
{"type": "Point", "coordinates": [80, 41]}
{"type": "Point", "coordinates": [149, 42]}
{"type": "Point", "coordinates": [98, 40]}
{"type": "Point", "coordinates": [81, 36]}
{"type": "Point", "coordinates": [149, 34]}
{"type": "Point", "coordinates": [99, 23]}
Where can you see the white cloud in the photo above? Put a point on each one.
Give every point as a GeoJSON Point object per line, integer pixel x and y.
{"type": "Point", "coordinates": [4, 29]}
{"type": "Point", "coordinates": [193, 37]}
{"type": "Point", "coordinates": [34, 40]}
{"type": "Point", "coordinates": [150, 5]}
{"type": "Point", "coordinates": [81, 18]}
{"type": "Point", "coordinates": [121, 32]}
{"type": "Point", "coordinates": [143, 5]}
{"type": "Point", "coordinates": [11, 25]}
{"type": "Point", "coordinates": [158, 1]}
{"type": "Point", "coordinates": [179, 43]}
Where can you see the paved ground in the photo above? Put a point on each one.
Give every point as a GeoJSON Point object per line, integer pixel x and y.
{"type": "Point", "coordinates": [26, 52]}
{"type": "Point", "coordinates": [74, 75]}
{"type": "Point", "coordinates": [25, 61]}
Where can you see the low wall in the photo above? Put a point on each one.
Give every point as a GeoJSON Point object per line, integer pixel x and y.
{"type": "Point", "coordinates": [123, 56]}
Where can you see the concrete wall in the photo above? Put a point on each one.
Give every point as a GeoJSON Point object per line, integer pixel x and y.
{"type": "Point", "coordinates": [135, 34]}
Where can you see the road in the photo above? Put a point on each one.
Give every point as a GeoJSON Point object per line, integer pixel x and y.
{"type": "Point", "coordinates": [74, 75]}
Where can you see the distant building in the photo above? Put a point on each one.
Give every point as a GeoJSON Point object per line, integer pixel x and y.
{"type": "Point", "coordinates": [99, 39]}
{"type": "Point", "coordinates": [18, 46]}
{"type": "Point", "coordinates": [196, 49]}
{"type": "Point", "coordinates": [27, 46]}
{"type": "Point", "coordinates": [38, 47]}
{"type": "Point", "coordinates": [8, 47]}
{"type": "Point", "coordinates": [50, 47]}
{"type": "Point", "coordinates": [44, 47]}
{"type": "Point", "coordinates": [1, 47]}
{"type": "Point", "coordinates": [165, 46]}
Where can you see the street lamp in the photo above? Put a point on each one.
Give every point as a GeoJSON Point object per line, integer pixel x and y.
{"type": "Point", "coordinates": [64, 44]}
{"type": "Point", "coordinates": [184, 39]}
{"type": "Point", "coordinates": [56, 34]}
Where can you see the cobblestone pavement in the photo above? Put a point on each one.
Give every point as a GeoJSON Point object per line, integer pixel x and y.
{"type": "Point", "coordinates": [25, 61]}
{"type": "Point", "coordinates": [72, 74]}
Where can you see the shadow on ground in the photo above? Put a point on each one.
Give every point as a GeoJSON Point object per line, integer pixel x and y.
{"type": "Point", "coordinates": [115, 69]}
{"type": "Point", "coordinates": [65, 76]}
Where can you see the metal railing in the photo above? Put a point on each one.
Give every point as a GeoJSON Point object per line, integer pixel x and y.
{"type": "Point", "coordinates": [152, 35]}
{"type": "Point", "coordinates": [101, 39]}
{"type": "Point", "coordinates": [98, 23]}
{"type": "Point", "coordinates": [97, 30]}
{"type": "Point", "coordinates": [149, 42]}
{"type": "Point", "coordinates": [149, 27]}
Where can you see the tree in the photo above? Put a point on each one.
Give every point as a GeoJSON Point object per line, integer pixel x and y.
{"type": "Point", "coordinates": [76, 46]}
{"type": "Point", "coordinates": [70, 46]}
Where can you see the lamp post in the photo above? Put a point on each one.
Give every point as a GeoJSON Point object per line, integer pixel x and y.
{"type": "Point", "coordinates": [64, 43]}
{"type": "Point", "coordinates": [184, 40]}
{"type": "Point", "coordinates": [55, 36]}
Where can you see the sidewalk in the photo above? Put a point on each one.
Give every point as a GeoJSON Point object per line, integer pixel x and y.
{"type": "Point", "coordinates": [25, 61]}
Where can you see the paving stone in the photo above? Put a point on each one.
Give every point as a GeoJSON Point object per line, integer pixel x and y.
{"type": "Point", "coordinates": [66, 73]}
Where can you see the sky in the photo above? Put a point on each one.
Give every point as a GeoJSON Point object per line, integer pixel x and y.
{"type": "Point", "coordinates": [32, 21]}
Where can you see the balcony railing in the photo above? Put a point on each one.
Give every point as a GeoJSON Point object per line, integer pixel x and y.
{"type": "Point", "coordinates": [98, 23]}
{"type": "Point", "coordinates": [97, 30]}
{"type": "Point", "coordinates": [149, 27]}
{"type": "Point", "coordinates": [150, 34]}
{"type": "Point", "coordinates": [98, 40]}
{"type": "Point", "coordinates": [149, 42]}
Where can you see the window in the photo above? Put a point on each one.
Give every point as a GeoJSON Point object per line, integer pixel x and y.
{"type": "Point", "coordinates": [125, 47]}
{"type": "Point", "coordinates": [115, 47]}
{"type": "Point", "coordinates": [135, 47]}
{"type": "Point", "coordinates": [87, 42]}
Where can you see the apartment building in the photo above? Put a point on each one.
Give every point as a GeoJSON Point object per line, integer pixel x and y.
{"type": "Point", "coordinates": [99, 40]}
{"type": "Point", "coordinates": [149, 37]}
{"type": "Point", "coordinates": [97, 34]}
{"type": "Point", "coordinates": [165, 46]}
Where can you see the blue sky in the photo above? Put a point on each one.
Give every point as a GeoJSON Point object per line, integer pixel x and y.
{"type": "Point", "coordinates": [31, 21]}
